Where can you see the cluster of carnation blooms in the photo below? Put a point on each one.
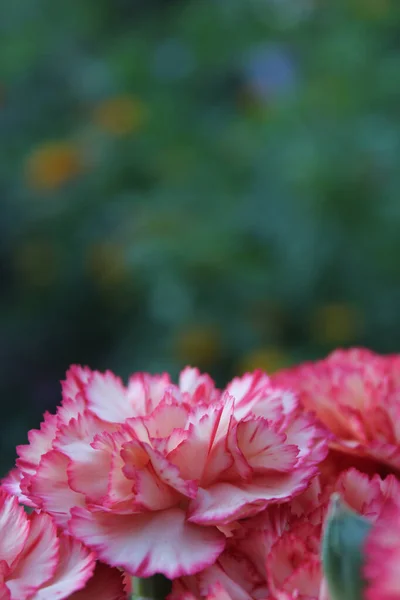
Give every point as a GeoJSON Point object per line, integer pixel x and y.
{"type": "Point", "coordinates": [224, 492]}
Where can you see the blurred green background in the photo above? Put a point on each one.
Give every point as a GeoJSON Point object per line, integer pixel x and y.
{"type": "Point", "coordinates": [212, 182]}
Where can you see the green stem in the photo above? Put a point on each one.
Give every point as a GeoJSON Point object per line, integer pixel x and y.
{"type": "Point", "coordinates": [156, 587]}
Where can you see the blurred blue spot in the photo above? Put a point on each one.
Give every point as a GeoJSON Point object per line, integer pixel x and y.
{"type": "Point", "coordinates": [270, 71]}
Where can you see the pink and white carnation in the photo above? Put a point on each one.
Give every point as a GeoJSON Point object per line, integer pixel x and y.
{"type": "Point", "coordinates": [355, 393]}
{"type": "Point", "coordinates": [154, 476]}
{"type": "Point", "coordinates": [276, 554]}
{"type": "Point", "coordinates": [382, 555]}
{"type": "Point", "coordinates": [38, 564]}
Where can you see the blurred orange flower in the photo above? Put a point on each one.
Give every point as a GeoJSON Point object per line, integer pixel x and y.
{"type": "Point", "coordinates": [335, 323]}
{"type": "Point", "coordinates": [266, 359]}
{"type": "Point", "coordinates": [120, 115]}
{"type": "Point", "coordinates": [52, 164]}
{"type": "Point", "coordinates": [372, 9]}
{"type": "Point", "coordinates": [198, 345]}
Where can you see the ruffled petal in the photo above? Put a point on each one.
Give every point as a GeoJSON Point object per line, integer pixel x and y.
{"type": "Point", "coordinates": [147, 490]}
{"type": "Point", "coordinates": [309, 437]}
{"type": "Point", "coordinates": [107, 398]}
{"type": "Point", "coordinates": [382, 556]}
{"type": "Point", "coordinates": [71, 408]}
{"type": "Point", "coordinates": [198, 387]}
{"type": "Point", "coordinates": [89, 463]}
{"type": "Point", "coordinates": [52, 488]}
{"type": "Point", "coordinates": [166, 472]}
{"type": "Point", "coordinates": [12, 484]}
{"type": "Point", "coordinates": [14, 528]}
{"type": "Point", "coordinates": [222, 503]}
{"type": "Point", "coordinates": [4, 592]}
{"type": "Point", "coordinates": [40, 442]}
{"type": "Point", "coordinates": [145, 544]}
{"type": "Point", "coordinates": [79, 432]}
{"type": "Point", "coordinates": [194, 454]}
{"type": "Point", "coordinates": [75, 567]}
{"type": "Point", "coordinates": [146, 392]}
{"type": "Point", "coordinates": [255, 395]}
{"type": "Point", "coordinates": [264, 448]}
{"type": "Point", "coordinates": [75, 381]}
{"type": "Point", "coordinates": [164, 419]}
{"type": "Point", "coordinates": [179, 593]}
{"type": "Point", "coordinates": [38, 561]}
{"type": "Point", "coordinates": [235, 573]}
{"type": "Point", "coordinates": [358, 490]}
{"type": "Point", "coordinates": [217, 592]}
{"type": "Point", "coordinates": [246, 391]}
{"type": "Point", "coordinates": [286, 555]}
{"type": "Point", "coordinates": [305, 581]}
{"type": "Point", "coordinates": [185, 587]}
{"type": "Point", "coordinates": [106, 584]}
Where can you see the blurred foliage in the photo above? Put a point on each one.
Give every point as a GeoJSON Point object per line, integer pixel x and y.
{"type": "Point", "coordinates": [212, 182]}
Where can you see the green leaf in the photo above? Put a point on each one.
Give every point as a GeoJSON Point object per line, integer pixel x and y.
{"type": "Point", "coordinates": [342, 551]}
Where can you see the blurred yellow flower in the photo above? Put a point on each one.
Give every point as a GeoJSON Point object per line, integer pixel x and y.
{"type": "Point", "coordinates": [52, 164]}
{"type": "Point", "coordinates": [372, 9]}
{"type": "Point", "coordinates": [120, 115]}
{"type": "Point", "coordinates": [198, 345]}
{"type": "Point", "coordinates": [35, 264]}
{"type": "Point", "coordinates": [335, 323]}
{"type": "Point", "coordinates": [269, 360]}
{"type": "Point", "coordinates": [105, 264]}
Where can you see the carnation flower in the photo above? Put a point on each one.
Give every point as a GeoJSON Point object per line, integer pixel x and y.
{"type": "Point", "coordinates": [356, 394]}
{"type": "Point", "coordinates": [382, 555]}
{"type": "Point", "coordinates": [155, 476]}
{"type": "Point", "coordinates": [38, 564]}
{"type": "Point", "coordinates": [276, 554]}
